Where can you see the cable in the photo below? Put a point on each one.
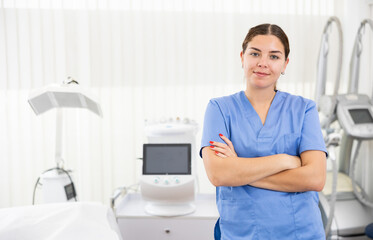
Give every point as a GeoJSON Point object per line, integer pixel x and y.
{"type": "Point", "coordinates": [333, 196]}
{"type": "Point", "coordinates": [36, 184]}
{"type": "Point", "coordinates": [122, 191]}
{"type": "Point", "coordinates": [33, 195]}
{"type": "Point", "coordinates": [332, 141]}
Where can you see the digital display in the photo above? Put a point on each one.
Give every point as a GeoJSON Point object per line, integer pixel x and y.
{"type": "Point", "coordinates": [70, 191]}
{"type": "Point", "coordinates": [163, 159]}
{"type": "Point", "coordinates": [360, 116]}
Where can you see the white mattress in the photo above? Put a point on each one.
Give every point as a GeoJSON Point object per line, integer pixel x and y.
{"type": "Point", "coordinates": [57, 221]}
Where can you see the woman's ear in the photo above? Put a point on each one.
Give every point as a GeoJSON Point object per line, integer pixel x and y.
{"type": "Point", "coordinates": [285, 65]}
{"type": "Point", "coordinates": [241, 56]}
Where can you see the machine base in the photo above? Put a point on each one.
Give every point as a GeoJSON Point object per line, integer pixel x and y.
{"type": "Point", "coordinates": [350, 218]}
{"type": "Point", "coordinates": [169, 210]}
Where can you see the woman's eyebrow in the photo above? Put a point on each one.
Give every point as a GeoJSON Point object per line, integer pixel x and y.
{"type": "Point", "coordinates": [257, 49]}
{"type": "Point", "coordinates": [276, 51]}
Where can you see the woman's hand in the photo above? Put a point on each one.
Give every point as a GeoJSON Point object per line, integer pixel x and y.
{"type": "Point", "coordinates": [223, 150]}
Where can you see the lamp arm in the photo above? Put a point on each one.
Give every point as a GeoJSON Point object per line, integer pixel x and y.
{"type": "Point", "coordinates": [59, 140]}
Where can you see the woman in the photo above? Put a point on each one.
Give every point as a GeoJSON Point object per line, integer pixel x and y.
{"type": "Point", "coordinates": [263, 149]}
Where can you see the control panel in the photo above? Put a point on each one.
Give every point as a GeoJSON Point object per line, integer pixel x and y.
{"type": "Point", "coordinates": [167, 188]}
{"type": "Point", "coordinates": [165, 180]}
{"type": "Point", "coordinates": [355, 114]}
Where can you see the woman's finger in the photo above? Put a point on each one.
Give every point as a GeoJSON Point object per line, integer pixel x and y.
{"type": "Point", "coordinates": [225, 139]}
{"type": "Point", "coordinates": [220, 154]}
{"type": "Point", "coordinates": [216, 151]}
{"type": "Point", "coordinates": [220, 149]}
{"type": "Point", "coordinates": [229, 146]}
{"type": "Point", "coordinates": [223, 148]}
{"type": "Point", "coordinates": [219, 144]}
{"type": "Point", "coordinates": [227, 152]}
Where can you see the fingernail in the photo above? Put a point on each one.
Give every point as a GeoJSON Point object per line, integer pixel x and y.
{"type": "Point", "coordinates": [216, 152]}
{"type": "Point", "coordinates": [211, 142]}
{"type": "Point", "coordinates": [211, 146]}
{"type": "Point", "coordinates": [220, 134]}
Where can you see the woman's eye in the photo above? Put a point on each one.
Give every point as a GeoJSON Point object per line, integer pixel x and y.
{"type": "Point", "coordinates": [254, 54]}
{"type": "Point", "coordinates": [274, 57]}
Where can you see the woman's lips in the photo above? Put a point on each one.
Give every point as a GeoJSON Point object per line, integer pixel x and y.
{"type": "Point", "coordinates": [261, 74]}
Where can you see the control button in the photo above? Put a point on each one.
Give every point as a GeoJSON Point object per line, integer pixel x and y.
{"type": "Point", "coordinates": [177, 180]}
{"type": "Point", "coordinates": [156, 180]}
{"type": "Point", "coordinates": [166, 181]}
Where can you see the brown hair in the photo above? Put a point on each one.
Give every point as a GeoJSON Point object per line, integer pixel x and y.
{"type": "Point", "coordinates": [267, 29]}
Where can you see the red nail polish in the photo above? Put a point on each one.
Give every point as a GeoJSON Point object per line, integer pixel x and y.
{"type": "Point", "coordinates": [216, 152]}
{"type": "Point", "coordinates": [211, 142]}
{"type": "Point", "coordinates": [211, 146]}
{"type": "Point", "coordinates": [220, 134]}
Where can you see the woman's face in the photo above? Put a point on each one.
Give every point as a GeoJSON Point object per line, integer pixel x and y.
{"type": "Point", "coordinates": [263, 61]}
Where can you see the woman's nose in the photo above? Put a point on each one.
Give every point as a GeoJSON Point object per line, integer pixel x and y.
{"type": "Point", "coordinates": [262, 62]}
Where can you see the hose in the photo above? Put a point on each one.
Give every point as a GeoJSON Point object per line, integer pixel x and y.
{"type": "Point", "coordinates": [333, 196]}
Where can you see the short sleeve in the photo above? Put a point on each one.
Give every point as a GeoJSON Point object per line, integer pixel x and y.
{"type": "Point", "coordinates": [311, 136]}
{"type": "Point", "coordinates": [214, 123]}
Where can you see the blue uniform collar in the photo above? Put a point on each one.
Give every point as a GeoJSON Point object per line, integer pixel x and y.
{"type": "Point", "coordinates": [266, 130]}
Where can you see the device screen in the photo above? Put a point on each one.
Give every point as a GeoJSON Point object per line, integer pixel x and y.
{"type": "Point", "coordinates": [70, 191]}
{"type": "Point", "coordinates": [361, 116]}
{"type": "Point", "coordinates": [167, 159]}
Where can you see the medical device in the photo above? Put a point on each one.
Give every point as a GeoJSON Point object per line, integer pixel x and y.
{"type": "Point", "coordinates": [57, 184]}
{"type": "Point", "coordinates": [327, 105]}
{"type": "Point", "coordinates": [355, 113]}
{"type": "Point", "coordinates": [353, 89]}
{"type": "Point", "coordinates": [358, 123]}
{"type": "Point", "coordinates": [168, 182]}
{"type": "Point", "coordinates": [344, 207]}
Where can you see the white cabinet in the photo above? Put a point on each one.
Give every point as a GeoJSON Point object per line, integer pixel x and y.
{"type": "Point", "coordinates": [135, 224]}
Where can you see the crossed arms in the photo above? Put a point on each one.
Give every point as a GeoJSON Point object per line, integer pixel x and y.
{"type": "Point", "coordinates": [280, 172]}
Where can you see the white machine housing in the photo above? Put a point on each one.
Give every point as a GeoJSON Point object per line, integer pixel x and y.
{"type": "Point", "coordinates": [57, 187]}
{"type": "Point", "coordinates": [170, 193]}
{"type": "Point", "coordinates": [355, 115]}
{"type": "Point", "coordinates": [174, 131]}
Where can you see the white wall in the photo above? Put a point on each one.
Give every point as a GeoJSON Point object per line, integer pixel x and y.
{"type": "Point", "coordinates": [141, 64]}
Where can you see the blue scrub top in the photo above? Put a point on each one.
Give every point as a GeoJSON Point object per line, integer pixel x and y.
{"type": "Point", "coordinates": [292, 127]}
